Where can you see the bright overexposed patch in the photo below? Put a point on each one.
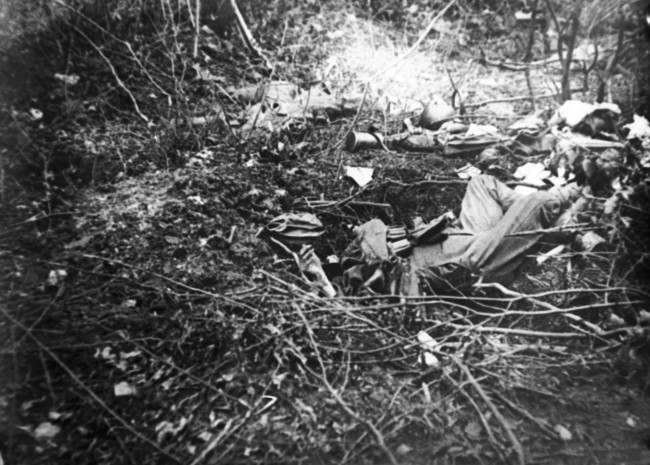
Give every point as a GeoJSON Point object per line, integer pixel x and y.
{"type": "Point", "coordinates": [367, 53]}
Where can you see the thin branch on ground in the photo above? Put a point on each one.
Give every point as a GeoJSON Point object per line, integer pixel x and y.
{"type": "Point", "coordinates": [125, 424]}
{"type": "Point", "coordinates": [497, 413]}
{"type": "Point", "coordinates": [118, 80]}
{"type": "Point", "coordinates": [335, 394]}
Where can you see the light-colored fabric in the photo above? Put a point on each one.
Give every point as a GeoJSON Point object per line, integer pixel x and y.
{"type": "Point", "coordinates": [371, 237]}
{"type": "Point", "coordinates": [490, 242]}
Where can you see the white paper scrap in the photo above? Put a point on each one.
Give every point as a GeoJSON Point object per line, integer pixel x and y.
{"type": "Point", "coordinates": [362, 176]}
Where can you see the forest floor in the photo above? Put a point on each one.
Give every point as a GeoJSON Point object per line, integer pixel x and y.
{"type": "Point", "coordinates": [146, 320]}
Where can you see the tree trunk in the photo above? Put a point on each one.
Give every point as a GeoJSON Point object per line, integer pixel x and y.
{"type": "Point", "coordinates": [571, 42]}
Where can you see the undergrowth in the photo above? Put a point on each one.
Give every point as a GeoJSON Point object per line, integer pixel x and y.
{"type": "Point", "coordinates": [131, 251]}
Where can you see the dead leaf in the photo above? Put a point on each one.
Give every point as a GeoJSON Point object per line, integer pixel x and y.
{"type": "Point", "coordinates": [69, 79]}
{"type": "Point", "coordinates": [127, 355]}
{"type": "Point", "coordinates": [426, 341]}
{"type": "Point", "coordinates": [79, 243]}
{"type": "Point", "coordinates": [172, 240]}
{"type": "Point", "coordinates": [403, 449]}
{"type": "Point", "coordinates": [124, 389]}
{"type": "Point", "coordinates": [564, 433]}
{"type": "Point", "coordinates": [35, 114]}
{"type": "Point", "coordinates": [105, 354]}
{"type": "Point", "coordinates": [46, 430]}
{"type": "Point", "coordinates": [615, 321]}
{"type": "Point", "coordinates": [167, 428]}
{"type": "Point", "coordinates": [430, 360]}
{"type": "Point", "coordinates": [644, 316]}
{"type": "Point", "coordinates": [473, 430]}
{"type": "Point", "coordinates": [196, 200]}
{"type": "Point", "coordinates": [306, 409]}
{"type": "Point", "coordinates": [205, 74]}
{"type": "Point", "coordinates": [523, 15]}
{"type": "Point", "coordinates": [639, 128]}
{"type": "Point", "coordinates": [56, 277]}
{"type": "Point", "coordinates": [277, 379]}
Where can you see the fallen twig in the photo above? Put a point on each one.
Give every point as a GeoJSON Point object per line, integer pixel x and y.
{"type": "Point", "coordinates": [335, 394]}
{"type": "Point", "coordinates": [246, 34]}
{"type": "Point", "coordinates": [497, 413]}
{"type": "Point", "coordinates": [119, 81]}
{"type": "Point", "coordinates": [481, 415]}
{"type": "Point", "coordinates": [173, 281]}
{"type": "Point", "coordinates": [125, 424]}
{"type": "Point", "coordinates": [516, 99]}
{"type": "Point", "coordinates": [227, 430]}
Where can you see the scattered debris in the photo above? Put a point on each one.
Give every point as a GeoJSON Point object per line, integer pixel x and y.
{"type": "Point", "coordinates": [362, 176]}
{"type": "Point", "coordinates": [639, 129]}
{"type": "Point", "coordinates": [563, 433]}
{"type": "Point", "coordinates": [473, 430]}
{"type": "Point", "coordinates": [280, 103]}
{"type": "Point", "coordinates": [615, 321]}
{"type": "Point", "coordinates": [403, 449]}
{"type": "Point", "coordinates": [68, 79]}
{"type": "Point", "coordinates": [46, 430]}
{"type": "Point", "coordinates": [165, 429]}
{"type": "Point", "coordinates": [523, 16]}
{"type": "Point", "coordinates": [35, 114]}
{"type": "Point", "coordinates": [644, 317]}
{"type": "Point", "coordinates": [551, 253]}
{"type": "Point", "coordinates": [428, 345]}
{"type": "Point", "coordinates": [590, 241]}
{"type": "Point", "coordinates": [363, 140]}
{"type": "Point", "coordinates": [56, 277]}
{"type": "Point", "coordinates": [123, 389]}
{"type": "Point", "coordinates": [56, 416]}
{"type": "Point", "coordinates": [233, 319]}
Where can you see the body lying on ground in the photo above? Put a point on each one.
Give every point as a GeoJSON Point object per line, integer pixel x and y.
{"type": "Point", "coordinates": [495, 230]}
